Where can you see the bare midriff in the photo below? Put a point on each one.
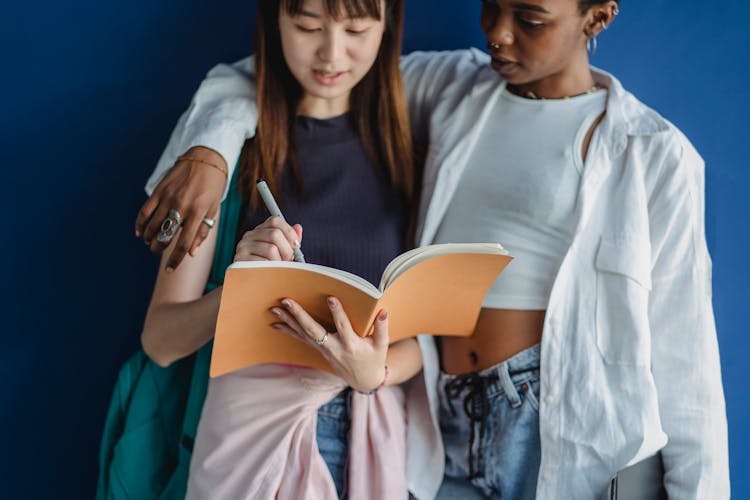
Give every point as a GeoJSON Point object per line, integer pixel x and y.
{"type": "Point", "coordinates": [500, 334]}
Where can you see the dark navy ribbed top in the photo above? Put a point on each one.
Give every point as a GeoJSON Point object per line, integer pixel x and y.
{"type": "Point", "coordinates": [351, 218]}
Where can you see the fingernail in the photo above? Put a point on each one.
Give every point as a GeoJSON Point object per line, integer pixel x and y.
{"type": "Point", "coordinates": [276, 326]}
{"type": "Point", "coordinates": [137, 234]}
{"type": "Point", "coordinates": [331, 302]}
{"type": "Point", "coordinates": [276, 311]}
{"type": "Point", "coordinates": [383, 316]}
{"type": "Point", "coordinates": [169, 269]}
{"type": "Point", "coordinates": [296, 243]}
{"type": "Point", "coordinates": [287, 303]}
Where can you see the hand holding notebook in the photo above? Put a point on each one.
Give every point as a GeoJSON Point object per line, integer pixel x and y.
{"type": "Point", "coordinates": [437, 289]}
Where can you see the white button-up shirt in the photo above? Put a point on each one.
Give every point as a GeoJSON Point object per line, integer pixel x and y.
{"type": "Point", "coordinates": [629, 361]}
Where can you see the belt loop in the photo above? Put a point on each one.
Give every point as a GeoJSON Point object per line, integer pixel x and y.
{"type": "Point", "coordinates": [507, 384]}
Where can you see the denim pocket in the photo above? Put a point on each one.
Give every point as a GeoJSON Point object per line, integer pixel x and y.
{"type": "Point", "coordinates": [529, 391]}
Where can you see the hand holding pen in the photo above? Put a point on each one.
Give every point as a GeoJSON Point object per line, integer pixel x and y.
{"type": "Point", "coordinates": [275, 239]}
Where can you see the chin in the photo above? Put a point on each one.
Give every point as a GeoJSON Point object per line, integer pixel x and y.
{"type": "Point", "coordinates": [327, 93]}
{"type": "Point", "coordinates": [519, 78]}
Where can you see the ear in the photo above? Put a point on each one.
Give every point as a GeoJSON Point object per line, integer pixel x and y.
{"type": "Point", "coordinates": [599, 17]}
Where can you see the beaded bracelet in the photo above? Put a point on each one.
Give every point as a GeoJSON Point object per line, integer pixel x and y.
{"type": "Point", "coordinates": [382, 384]}
{"type": "Point", "coordinates": [204, 162]}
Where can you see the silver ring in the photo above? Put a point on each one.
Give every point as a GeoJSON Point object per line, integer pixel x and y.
{"type": "Point", "coordinates": [322, 340]}
{"type": "Point", "coordinates": [169, 227]}
{"type": "Point", "coordinates": [209, 222]}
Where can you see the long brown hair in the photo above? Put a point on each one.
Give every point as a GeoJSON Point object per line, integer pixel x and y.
{"type": "Point", "coordinates": [377, 103]}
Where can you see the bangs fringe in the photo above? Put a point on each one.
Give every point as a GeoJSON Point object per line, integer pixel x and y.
{"type": "Point", "coordinates": [335, 8]}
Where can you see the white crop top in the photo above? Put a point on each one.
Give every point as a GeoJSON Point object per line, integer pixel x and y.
{"type": "Point", "coordinates": [520, 189]}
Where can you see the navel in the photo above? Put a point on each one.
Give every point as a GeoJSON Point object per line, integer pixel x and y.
{"type": "Point", "coordinates": [473, 358]}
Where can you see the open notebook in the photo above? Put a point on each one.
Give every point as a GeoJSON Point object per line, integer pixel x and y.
{"type": "Point", "coordinates": [436, 289]}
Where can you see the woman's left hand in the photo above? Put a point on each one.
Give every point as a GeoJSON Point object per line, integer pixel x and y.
{"type": "Point", "coordinates": [359, 361]}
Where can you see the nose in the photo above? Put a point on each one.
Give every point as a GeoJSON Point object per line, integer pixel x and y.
{"type": "Point", "coordinates": [498, 28]}
{"type": "Point", "coordinates": [332, 47]}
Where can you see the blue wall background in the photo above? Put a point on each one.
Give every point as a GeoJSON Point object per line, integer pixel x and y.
{"type": "Point", "coordinates": [90, 92]}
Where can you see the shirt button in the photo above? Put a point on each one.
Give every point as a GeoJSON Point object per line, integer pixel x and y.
{"type": "Point", "coordinates": [548, 400]}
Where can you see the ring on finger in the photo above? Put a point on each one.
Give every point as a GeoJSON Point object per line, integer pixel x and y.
{"type": "Point", "coordinates": [321, 341]}
{"type": "Point", "coordinates": [169, 227]}
{"type": "Point", "coordinates": [210, 222]}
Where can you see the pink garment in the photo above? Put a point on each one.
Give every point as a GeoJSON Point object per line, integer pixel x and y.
{"type": "Point", "coordinates": [256, 439]}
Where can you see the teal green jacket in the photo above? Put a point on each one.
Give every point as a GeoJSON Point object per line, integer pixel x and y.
{"type": "Point", "coordinates": [153, 416]}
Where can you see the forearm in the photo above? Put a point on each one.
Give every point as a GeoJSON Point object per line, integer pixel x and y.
{"type": "Point", "coordinates": [404, 361]}
{"type": "Point", "coordinates": [175, 330]}
{"type": "Point", "coordinates": [221, 117]}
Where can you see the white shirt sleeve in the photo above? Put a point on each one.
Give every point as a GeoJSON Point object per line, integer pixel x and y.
{"type": "Point", "coordinates": [221, 116]}
{"type": "Point", "coordinates": [426, 77]}
{"type": "Point", "coordinates": [223, 113]}
{"type": "Point", "coordinates": [685, 353]}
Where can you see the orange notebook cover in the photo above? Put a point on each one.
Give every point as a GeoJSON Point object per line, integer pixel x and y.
{"type": "Point", "coordinates": [437, 289]}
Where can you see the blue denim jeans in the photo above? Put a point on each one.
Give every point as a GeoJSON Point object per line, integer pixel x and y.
{"type": "Point", "coordinates": [333, 437]}
{"type": "Point", "coordinates": [490, 426]}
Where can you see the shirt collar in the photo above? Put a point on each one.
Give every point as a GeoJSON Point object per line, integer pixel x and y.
{"type": "Point", "coordinates": [626, 115]}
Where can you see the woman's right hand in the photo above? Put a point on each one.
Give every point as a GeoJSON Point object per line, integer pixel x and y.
{"type": "Point", "coordinates": [272, 240]}
{"type": "Point", "coordinates": [360, 361]}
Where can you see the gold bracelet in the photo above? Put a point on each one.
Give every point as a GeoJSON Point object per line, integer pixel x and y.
{"type": "Point", "coordinates": [204, 162]}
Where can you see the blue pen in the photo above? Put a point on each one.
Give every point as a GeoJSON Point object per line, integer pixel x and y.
{"type": "Point", "coordinates": [274, 209]}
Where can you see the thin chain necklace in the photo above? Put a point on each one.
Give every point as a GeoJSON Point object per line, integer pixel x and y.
{"type": "Point", "coordinates": [532, 95]}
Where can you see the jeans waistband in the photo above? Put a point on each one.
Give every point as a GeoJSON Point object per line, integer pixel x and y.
{"type": "Point", "coordinates": [475, 389]}
{"type": "Point", "coordinates": [497, 379]}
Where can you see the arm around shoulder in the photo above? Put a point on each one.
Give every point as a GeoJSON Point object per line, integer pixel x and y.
{"type": "Point", "coordinates": [221, 116]}
{"type": "Point", "coordinates": [206, 142]}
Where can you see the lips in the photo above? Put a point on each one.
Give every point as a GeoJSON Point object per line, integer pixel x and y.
{"type": "Point", "coordinates": [503, 65]}
{"type": "Point", "coordinates": [503, 60]}
{"type": "Point", "coordinates": [327, 73]}
{"type": "Point", "coordinates": [328, 77]}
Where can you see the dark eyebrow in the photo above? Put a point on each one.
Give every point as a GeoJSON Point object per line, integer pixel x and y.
{"type": "Point", "coordinates": [530, 6]}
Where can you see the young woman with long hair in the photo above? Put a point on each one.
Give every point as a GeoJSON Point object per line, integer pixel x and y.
{"type": "Point", "coordinates": [596, 350]}
{"type": "Point", "coordinates": [333, 143]}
